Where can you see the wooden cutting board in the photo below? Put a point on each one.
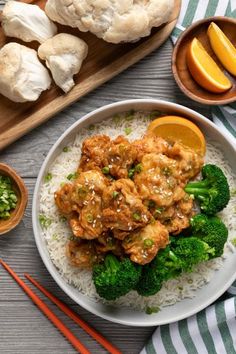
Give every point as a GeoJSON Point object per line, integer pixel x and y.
{"type": "Point", "coordinates": [104, 61]}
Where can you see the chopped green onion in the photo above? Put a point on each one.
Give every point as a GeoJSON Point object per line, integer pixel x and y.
{"type": "Point", "coordinates": [54, 237]}
{"type": "Point", "coordinates": [45, 222]}
{"type": "Point", "coordinates": [82, 192]}
{"type": "Point", "coordinates": [150, 310]}
{"type": "Point", "coordinates": [48, 177]}
{"type": "Point", "coordinates": [91, 127]}
{"type": "Point", "coordinates": [138, 168]}
{"type": "Point", "coordinates": [8, 197]}
{"type": "Point", "coordinates": [110, 177]}
{"type": "Point", "coordinates": [128, 130]}
{"type": "Point", "coordinates": [154, 114]}
{"type": "Point", "coordinates": [233, 193]}
{"type": "Point", "coordinates": [148, 243]}
{"type": "Point", "coordinates": [89, 218]}
{"type": "Point", "coordinates": [110, 241]}
{"type": "Point", "coordinates": [72, 176]}
{"type": "Point", "coordinates": [66, 149]}
{"type": "Point", "coordinates": [233, 241]}
{"type": "Point", "coordinates": [136, 216]}
{"type": "Point", "coordinates": [116, 119]}
{"type": "Point", "coordinates": [130, 115]}
{"type": "Point", "coordinates": [63, 219]}
{"type": "Point", "coordinates": [105, 170]}
{"type": "Point", "coordinates": [73, 238]}
{"type": "Point", "coordinates": [166, 171]}
{"type": "Point", "coordinates": [151, 204]}
{"type": "Point", "coordinates": [131, 173]}
{"type": "Point", "coordinates": [158, 211]}
{"type": "Point", "coordinates": [115, 194]}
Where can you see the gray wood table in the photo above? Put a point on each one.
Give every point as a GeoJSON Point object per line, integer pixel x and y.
{"type": "Point", "coordinates": [23, 329]}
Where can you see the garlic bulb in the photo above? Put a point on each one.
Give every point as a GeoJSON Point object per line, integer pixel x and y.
{"type": "Point", "coordinates": [22, 76]}
{"type": "Point", "coordinates": [26, 22]}
{"type": "Point", "coordinates": [64, 55]}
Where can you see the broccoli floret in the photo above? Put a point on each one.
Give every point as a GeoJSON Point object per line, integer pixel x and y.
{"type": "Point", "coordinates": [180, 256]}
{"type": "Point", "coordinates": [191, 251]}
{"type": "Point", "coordinates": [115, 277]}
{"type": "Point", "coordinates": [212, 191]}
{"type": "Point", "coordinates": [211, 230]}
{"type": "Point", "coordinates": [153, 274]}
{"type": "Point", "coordinates": [150, 281]}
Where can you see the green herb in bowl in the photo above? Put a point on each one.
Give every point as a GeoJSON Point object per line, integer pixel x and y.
{"type": "Point", "coordinates": [8, 197]}
{"type": "Point", "coordinates": [13, 198]}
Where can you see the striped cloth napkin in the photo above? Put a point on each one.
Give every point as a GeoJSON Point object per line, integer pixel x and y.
{"type": "Point", "coordinates": [213, 330]}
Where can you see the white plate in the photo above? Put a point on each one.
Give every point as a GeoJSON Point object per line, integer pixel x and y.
{"type": "Point", "coordinates": [222, 278]}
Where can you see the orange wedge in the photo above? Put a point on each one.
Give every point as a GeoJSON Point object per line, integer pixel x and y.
{"type": "Point", "coordinates": [174, 128]}
{"type": "Point", "coordinates": [223, 48]}
{"type": "Point", "coordinates": [204, 69]}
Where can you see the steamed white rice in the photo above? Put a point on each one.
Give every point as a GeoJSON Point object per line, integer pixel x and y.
{"type": "Point", "coordinates": [58, 232]}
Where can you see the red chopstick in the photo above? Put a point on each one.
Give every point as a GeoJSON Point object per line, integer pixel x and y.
{"type": "Point", "coordinates": [64, 308]}
{"type": "Point", "coordinates": [50, 315]}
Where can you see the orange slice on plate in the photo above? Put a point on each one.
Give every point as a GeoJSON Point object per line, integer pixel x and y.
{"type": "Point", "coordinates": [174, 128]}
{"type": "Point", "coordinates": [223, 48]}
{"type": "Point", "coordinates": [204, 69]}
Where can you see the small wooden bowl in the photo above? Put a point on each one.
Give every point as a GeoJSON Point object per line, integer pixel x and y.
{"type": "Point", "coordinates": [22, 195]}
{"type": "Point", "coordinates": [179, 66]}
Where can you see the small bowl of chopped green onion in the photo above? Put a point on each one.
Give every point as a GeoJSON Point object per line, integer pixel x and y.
{"type": "Point", "coordinates": [13, 198]}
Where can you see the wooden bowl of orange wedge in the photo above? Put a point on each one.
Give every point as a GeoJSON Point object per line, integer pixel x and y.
{"type": "Point", "coordinates": [204, 61]}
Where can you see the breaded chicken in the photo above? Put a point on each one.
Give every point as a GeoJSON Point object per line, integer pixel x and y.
{"type": "Point", "coordinates": [119, 157]}
{"type": "Point", "coordinates": [85, 197]}
{"type": "Point", "coordinates": [82, 253]}
{"type": "Point", "coordinates": [123, 210]}
{"type": "Point", "coordinates": [92, 152]}
{"type": "Point", "coordinates": [142, 245]}
{"type": "Point", "coordinates": [114, 157]}
{"type": "Point", "coordinates": [189, 162]}
{"type": "Point", "coordinates": [128, 198]}
{"type": "Point", "coordinates": [108, 243]}
{"type": "Point", "coordinates": [150, 144]}
{"type": "Point", "coordinates": [63, 199]}
{"type": "Point", "coordinates": [176, 217]}
{"type": "Point", "coordinates": [158, 180]}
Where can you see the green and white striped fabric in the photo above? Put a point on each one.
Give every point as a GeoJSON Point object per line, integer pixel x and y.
{"type": "Point", "coordinates": [213, 330]}
{"type": "Point", "coordinates": [192, 11]}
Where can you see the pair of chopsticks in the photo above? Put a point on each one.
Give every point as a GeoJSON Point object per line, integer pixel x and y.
{"type": "Point", "coordinates": [64, 308]}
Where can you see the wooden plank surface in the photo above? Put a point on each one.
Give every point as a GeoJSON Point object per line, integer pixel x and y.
{"type": "Point", "coordinates": [23, 329]}
{"type": "Point", "coordinates": [104, 61]}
